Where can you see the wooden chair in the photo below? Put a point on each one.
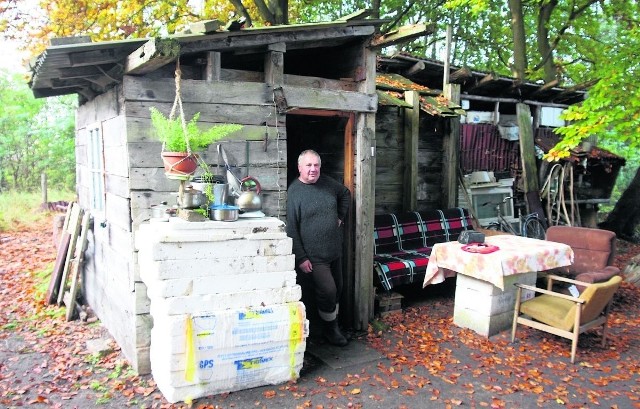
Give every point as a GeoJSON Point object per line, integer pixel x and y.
{"type": "Point", "coordinates": [564, 315]}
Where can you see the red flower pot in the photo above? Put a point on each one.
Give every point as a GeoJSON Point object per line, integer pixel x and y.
{"type": "Point", "coordinates": [179, 164]}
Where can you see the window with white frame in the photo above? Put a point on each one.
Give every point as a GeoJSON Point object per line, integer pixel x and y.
{"type": "Point", "coordinates": [96, 169]}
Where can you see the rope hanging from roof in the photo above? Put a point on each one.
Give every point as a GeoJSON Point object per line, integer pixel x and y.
{"type": "Point", "coordinates": [177, 103]}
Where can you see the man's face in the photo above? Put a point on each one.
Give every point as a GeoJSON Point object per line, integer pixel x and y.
{"type": "Point", "coordinates": [309, 168]}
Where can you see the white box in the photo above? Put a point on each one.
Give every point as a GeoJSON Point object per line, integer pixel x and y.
{"type": "Point", "coordinates": [550, 116]}
{"type": "Point", "coordinates": [510, 133]}
{"type": "Point", "coordinates": [481, 117]}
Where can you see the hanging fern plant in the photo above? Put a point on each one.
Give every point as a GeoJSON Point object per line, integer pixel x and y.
{"type": "Point", "coordinates": [176, 138]}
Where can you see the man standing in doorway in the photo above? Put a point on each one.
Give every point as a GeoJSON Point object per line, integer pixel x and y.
{"type": "Point", "coordinates": [316, 211]}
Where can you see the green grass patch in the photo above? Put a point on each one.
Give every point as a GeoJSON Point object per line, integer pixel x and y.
{"type": "Point", "coordinates": [23, 209]}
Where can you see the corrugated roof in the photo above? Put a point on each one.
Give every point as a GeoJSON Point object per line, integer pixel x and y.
{"type": "Point", "coordinates": [546, 139]}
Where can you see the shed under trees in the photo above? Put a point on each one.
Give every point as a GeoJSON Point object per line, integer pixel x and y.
{"type": "Point", "coordinates": [291, 87]}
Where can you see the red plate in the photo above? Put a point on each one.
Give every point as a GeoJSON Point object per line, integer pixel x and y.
{"type": "Point", "coordinates": [481, 248]}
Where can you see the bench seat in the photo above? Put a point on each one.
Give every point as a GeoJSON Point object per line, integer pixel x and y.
{"type": "Point", "coordinates": [403, 242]}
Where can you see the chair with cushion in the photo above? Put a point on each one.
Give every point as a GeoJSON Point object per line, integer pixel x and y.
{"type": "Point", "coordinates": [594, 251]}
{"type": "Point", "coordinates": [564, 315]}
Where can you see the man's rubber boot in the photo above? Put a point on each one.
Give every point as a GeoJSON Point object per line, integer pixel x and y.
{"type": "Point", "coordinates": [333, 335]}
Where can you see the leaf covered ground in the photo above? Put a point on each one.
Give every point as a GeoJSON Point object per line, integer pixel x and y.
{"type": "Point", "coordinates": [429, 362]}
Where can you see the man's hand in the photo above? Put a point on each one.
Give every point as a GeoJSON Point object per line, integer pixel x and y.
{"type": "Point", "coordinates": [306, 266]}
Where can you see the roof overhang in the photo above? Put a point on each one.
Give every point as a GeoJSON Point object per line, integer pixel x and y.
{"type": "Point", "coordinates": [89, 69]}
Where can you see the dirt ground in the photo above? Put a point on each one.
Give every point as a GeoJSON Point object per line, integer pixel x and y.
{"type": "Point", "coordinates": [428, 361]}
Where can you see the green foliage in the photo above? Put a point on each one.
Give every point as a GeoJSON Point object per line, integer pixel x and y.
{"type": "Point", "coordinates": [37, 137]}
{"type": "Point", "coordinates": [23, 208]}
{"type": "Point", "coordinates": [175, 138]}
{"type": "Point", "coordinates": [612, 110]}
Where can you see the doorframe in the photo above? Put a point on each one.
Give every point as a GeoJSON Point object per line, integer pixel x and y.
{"type": "Point", "coordinates": [348, 297]}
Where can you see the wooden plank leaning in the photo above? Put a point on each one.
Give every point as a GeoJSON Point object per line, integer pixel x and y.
{"type": "Point", "coordinates": [61, 257]}
{"type": "Point", "coordinates": [74, 229]}
{"type": "Point", "coordinates": [70, 298]}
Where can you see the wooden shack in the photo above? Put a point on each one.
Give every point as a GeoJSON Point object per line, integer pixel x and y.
{"type": "Point", "coordinates": [488, 138]}
{"type": "Point", "coordinates": [291, 87]}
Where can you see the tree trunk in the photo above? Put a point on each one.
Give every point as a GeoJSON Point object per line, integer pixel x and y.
{"type": "Point", "coordinates": [519, 40]}
{"type": "Point", "coordinates": [375, 6]}
{"type": "Point", "coordinates": [626, 213]}
{"type": "Point", "coordinates": [544, 48]}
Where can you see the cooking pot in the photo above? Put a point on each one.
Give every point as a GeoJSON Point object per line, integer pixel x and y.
{"type": "Point", "coordinates": [192, 199]}
{"type": "Point", "coordinates": [249, 199]}
{"type": "Point", "coordinates": [224, 213]}
{"type": "Point", "coordinates": [160, 211]}
{"type": "Point", "coordinates": [202, 183]}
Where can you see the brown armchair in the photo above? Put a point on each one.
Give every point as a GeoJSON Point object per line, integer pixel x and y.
{"type": "Point", "coordinates": [564, 315]}
{"type": "Point", "coordinates": [594, 251]}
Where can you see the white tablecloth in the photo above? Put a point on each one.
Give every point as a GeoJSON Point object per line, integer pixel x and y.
{"type": "Point", "coordinates": [515, 255]}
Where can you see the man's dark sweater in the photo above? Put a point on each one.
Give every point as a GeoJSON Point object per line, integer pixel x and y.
{"type": "Point", "coordinates": [313, 211]}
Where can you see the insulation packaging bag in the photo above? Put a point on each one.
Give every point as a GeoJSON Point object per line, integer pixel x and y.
{"type": "Point", "coordinates": [199, 355]}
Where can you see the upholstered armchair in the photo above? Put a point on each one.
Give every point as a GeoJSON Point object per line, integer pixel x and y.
{"type": "Point", "coordinates": [594, 251]}
{"type": "Point", "coordinates": [564, 315]}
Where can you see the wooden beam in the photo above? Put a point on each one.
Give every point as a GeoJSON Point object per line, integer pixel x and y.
{"type": "Point", "coordinates": [451, 149]}
{"type": "Point", "coordinates": [153, 54]}
{"type": "Point", "coordinates": [459, 75]}
{"type": "Point", "coordinates": [403, 34]}
{"type": "Point", "coordinates": [204, 27]}
{"type": "Point", "coordinates": [274, 67]}
{"type": "Point", "coordinates": [546, 87]}
{"type": "Point", "coordinates": [349, 158]}
{"type": "Point", "coordinates": [487, 79]}
{"type": "Point", "coordinates": [414, 69]}
{"type": "Point", "coordinates": [242, 40]}
{"type": "Point", "coordinates": [357, 15]}
{"type": "Point", "coordinates": [213, 68]}
{"type": "Point", "coordinates": [411, 133]}
{"type": "Point", "coordinates": [529, 167]}
{"type": "Point", "coordinates": [513, 101]}
{"type": "Point", "coordinates": [365, 167]}
{"type": "Point", "coordinates": [247, 93]}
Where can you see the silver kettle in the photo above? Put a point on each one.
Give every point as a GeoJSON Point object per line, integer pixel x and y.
{"type": "Point", "coordinates": [249, 199]}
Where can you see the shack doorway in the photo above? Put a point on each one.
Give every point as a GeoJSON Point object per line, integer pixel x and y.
{"type": "Point", "coordinates": [323, 134]}
{"type": "Point", "coordinates": [329, 134]}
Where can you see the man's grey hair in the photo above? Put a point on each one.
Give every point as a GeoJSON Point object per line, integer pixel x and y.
{"type": "Point", "coordinates": [311, 151]}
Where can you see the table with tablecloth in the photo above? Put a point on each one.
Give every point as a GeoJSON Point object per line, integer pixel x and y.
{"type": "Point", "coordinates": [485, 294]}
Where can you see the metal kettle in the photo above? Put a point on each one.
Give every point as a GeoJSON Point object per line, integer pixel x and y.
{"type": "Point", "coordinates": [249, 199]}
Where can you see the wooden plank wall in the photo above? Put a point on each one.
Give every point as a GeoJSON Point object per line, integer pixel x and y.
{"type": "Point", "coordinates": [430, 167]}
{"type": "Point", "coordinates": [134, 175]}
{"type": "Point", "coordinates": [109, 268]}
{"type": "Point", "coordinates": [390, 162]}
{"type": "Point", "coordinates": [245, 150]}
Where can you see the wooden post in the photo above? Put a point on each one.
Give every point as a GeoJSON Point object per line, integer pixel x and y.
{"type": "Point", "coordinates": [365, 167]}
{"type": "Point", "coordinates": [274, 64]}
{"type": "Point", "coordinates": [347, 301]}
{"type": "Point", "coordinates": [43, 186]}
{"type": "Point", "coordinates": [411, 132]}
{"type": "Point", "coordinates": [451, 146]}
{"type": "Point", "coordinates": [213, 67]}
{"type": "Point", "coordinates": [529, 167]}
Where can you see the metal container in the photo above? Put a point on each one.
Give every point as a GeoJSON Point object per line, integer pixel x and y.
{"type": "Point", "coordinates": [192, 199]}
{"type": "Point", "coordinates": [203, 183]}
{"type": "Point", "coordinates": [220, 194]}
{"type": "Point", "coordinates": [249, 200]}
{"type": "Point", "coordinates": [160, 211]}
{"type": "Point", "coordinates": [224, 213]}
